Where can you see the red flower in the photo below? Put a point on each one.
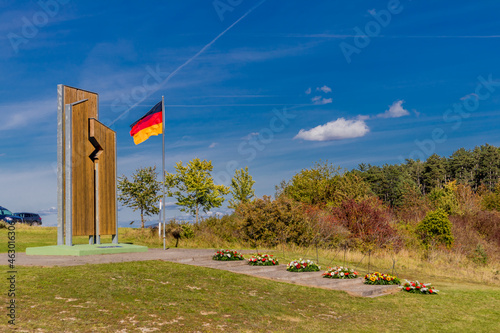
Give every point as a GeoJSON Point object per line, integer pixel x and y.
{"type": "Point", "coordinates": [418, 287]}
{"type": "Point", "coordinates": [346, 273]}
{"type": "Point", "coordinates": [430, 291]}
{"type": "Point", "coordinates": [407, 288]}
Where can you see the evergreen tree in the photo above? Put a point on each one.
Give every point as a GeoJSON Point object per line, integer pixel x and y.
{"type": "Point", "coordinates": [434, 172]}
{"type": "Point", "coordinates": [488, 171]}
{"type": "Point", "coordinates": [462, 166]}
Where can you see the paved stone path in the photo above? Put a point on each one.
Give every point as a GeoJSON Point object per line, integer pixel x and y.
{"type": "Point", "coordinates": [202, 257]}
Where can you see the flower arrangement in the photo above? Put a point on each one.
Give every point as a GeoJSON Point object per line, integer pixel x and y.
{"type": "Point", "coordinates": [263, 260]}
{"type": "Point", "coordinates": [226, 255]}
{"type": "Point", "coordinates": [418, 288]}
{"type": "Point", "coordinates": [302, 266]}
{"type": "Point", "coordinates": [379, 278]}
{"type": "Point", "coordinates": [340, 273]}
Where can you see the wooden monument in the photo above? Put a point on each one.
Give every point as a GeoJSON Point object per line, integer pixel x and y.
{"type": "Point", "coordinates": [86, 169]}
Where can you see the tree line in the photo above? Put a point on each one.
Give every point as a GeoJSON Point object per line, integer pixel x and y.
{"type": "Point", "coordinates": [323, 185]}
{"type": "Point", "coordinates": [191, 185]}
{"type": "Point", "coordinates": [478, 168]}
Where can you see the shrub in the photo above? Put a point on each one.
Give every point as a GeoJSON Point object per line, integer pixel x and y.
{"type": "Point", "coordinates": [479, 255]}
{"type": "Point", "coordinates": [468, 200]}
{"type": "Point", "coordinates": [414, 205]}
{"type": "Point", "coordinates": [266, 221]}
{"type": "Point", "coordinates": [3, 224]}
{"type": "Point", "coordinates": [444, 198]}
{"type": "Point", "coordinates": [326, 232]}
{"type": "Point", "coordinates": [324, 185]}
{"type": "Point", "coordinates": [491, 200]}
{"type": "Point", "coordinates": [435, 227]}
{"type": "Point", "coordinates": [485, 223]}
{"type": "Point", "coordinates": [179, 230]}
{"type": "Point", "coordinates": [225, 228]}
{"type": "Point", "coordinates": [367, 221]}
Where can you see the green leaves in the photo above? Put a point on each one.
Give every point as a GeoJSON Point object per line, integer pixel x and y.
{"type": "Point", "coordinates": [324, 185]}
{"type": "Point", "coordinates": [436, 227]}
{"type": "Point", "coordinates": [194, 188]}
{"type": "Point", "coordinates": [241, 188]}
{"type": "Point", "coordinates": [142, 193]}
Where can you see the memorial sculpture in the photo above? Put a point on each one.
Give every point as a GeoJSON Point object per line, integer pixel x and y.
{"type": "Point", "coordinates": [86, 169]}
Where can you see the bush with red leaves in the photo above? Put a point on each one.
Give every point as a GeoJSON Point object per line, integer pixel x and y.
{"type": "Point", "coordinates": [368, 222]}
{"type": "Point", "coordinates": [485, 223]}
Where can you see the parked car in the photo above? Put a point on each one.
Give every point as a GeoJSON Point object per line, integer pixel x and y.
{"type": "Point", "coordinates": [8, 217]}
{"type": "Point", "coordinates": [30, 218]}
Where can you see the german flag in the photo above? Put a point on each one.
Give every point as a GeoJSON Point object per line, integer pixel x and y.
{"type": "Point", "coordinates": [150, 124]}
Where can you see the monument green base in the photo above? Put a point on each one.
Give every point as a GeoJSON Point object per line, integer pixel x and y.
{"type": "Point", "coordinates": [84, 250]}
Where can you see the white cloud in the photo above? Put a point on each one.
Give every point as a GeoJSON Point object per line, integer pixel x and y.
{"type": "Point", "coordinates": [16, 115]}
{"type": "Point", "coordinates": [396, 110]}
{"type": "Point", "coordinates": [308, 91]}
{"type": "Point", "coordinates": [250, 135]}
{"type": "Point", "coordinates": [318, 100]}
{"type": "Point", "coordinates": [48, 211]}
{"type": "Point", "coordinates": [362, 117]}
{"type": "Point", "coordinates": [335, 130]}
{"type": "Point", "coordinates": [324, 89]}
{"type": "Point", "coordinates": [213, 145]}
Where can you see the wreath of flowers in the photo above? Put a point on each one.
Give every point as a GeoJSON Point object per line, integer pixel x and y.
{"type": "Point", "coordinates": [225, 255]}
{"type": "Point", "coordinates": [340, 273]}
{"type": "Point", "coordinates": [381, 279]}
{"type": "Point", "coordinates": [418, 288]}
{"type": "Point", "coordinates": [263, 260]}
{"type": "Point", "coordinates": [302, 266]}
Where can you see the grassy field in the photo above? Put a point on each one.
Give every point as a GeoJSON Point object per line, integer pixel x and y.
{"type": "Point", "coordinates": [167, 297]}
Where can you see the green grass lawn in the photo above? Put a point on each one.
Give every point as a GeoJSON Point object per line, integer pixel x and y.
{"type": "Point", "coordinates": [27, 236]}
{"type": "Point", "coordinates": [168, 297]}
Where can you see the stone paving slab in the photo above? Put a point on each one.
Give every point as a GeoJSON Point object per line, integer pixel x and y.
{"type": "Point", "coordinates": [203, 258]}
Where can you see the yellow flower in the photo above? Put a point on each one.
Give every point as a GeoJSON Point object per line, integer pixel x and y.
{"type": "Point", "coordinates": [372, 279]}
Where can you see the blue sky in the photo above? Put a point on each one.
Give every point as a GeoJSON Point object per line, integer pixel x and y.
{"type": "Point", "coordinates": [272, 85]}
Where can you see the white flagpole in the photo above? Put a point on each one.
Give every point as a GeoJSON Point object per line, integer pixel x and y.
{"type": "Point", "coordinates": [164, 201]}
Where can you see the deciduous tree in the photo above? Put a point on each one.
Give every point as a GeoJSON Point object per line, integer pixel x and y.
{"type": "Point", "coordinates": [194, 188]}
{"type": "Point", "coordinates": [142, 193]}
{"type": "Point", "coordinates": [241, 188]}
